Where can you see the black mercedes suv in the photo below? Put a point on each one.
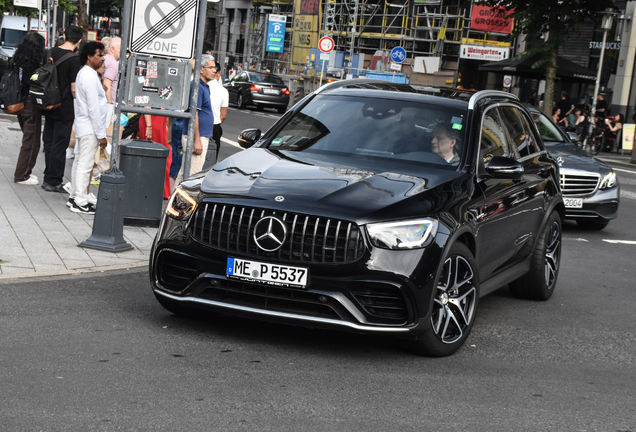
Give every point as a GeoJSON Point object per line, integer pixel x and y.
{"type": "Point", "coordinates": [372, 207]}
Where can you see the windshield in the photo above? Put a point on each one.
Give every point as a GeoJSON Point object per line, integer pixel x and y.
{"type": "Point", "coordinates": [11, 38]}
{"type": "Point", "coordinates": [549, 132]}
{"type": "Point", "coordinates": [341, 129]}
{"type": "Point", "coordinates": [265, 78]}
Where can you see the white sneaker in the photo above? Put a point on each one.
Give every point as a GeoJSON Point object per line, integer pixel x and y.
{"type": "Point", "coordinates": [31, 181]}
{"type": "Point", "coordinates": [67, 187]}
{"type": "Point", "coordinates": [70, 153]}
{"type": "Point", "coordinates": [92, 199]}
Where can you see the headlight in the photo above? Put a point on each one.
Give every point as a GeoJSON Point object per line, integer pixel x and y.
{"type": "Point", "coordinates": [609, 181]}
{"type": "Point", "coordinates": [181, 205]}
{"type": "Point", "coordinates": [411, 234]}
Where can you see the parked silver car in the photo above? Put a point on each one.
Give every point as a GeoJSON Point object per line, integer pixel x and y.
{"type": "Point", "coordinates": [591, 192]}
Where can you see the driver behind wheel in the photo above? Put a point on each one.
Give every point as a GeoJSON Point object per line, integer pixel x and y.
{"type": "Point", "coordinates": [444, 143]}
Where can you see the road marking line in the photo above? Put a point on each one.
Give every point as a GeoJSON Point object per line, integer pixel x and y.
{"type": "Point", "coordinates": [576, 239]}
{"type": "Point", "coordinates": [627, 194]}
{"type": "Point", "coordinates": [629, 242]}
{"type": "Point", "coordinates": [230, 142]}
{"type": "Point", "coordinates": [624, 170]}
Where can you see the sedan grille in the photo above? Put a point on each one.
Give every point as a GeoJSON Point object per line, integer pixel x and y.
{"type": "Point", "coordinates": [309, 238]}
{"type": "Point", "coordinates": [577, 183]}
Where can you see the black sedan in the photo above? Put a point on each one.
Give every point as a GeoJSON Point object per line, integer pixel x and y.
{"type": "Point", "coordinates": [264, 90]}
{"type": "Point", "coordinates": [591, 192]}
{"type": "Point", "coordinates": [371, 207]}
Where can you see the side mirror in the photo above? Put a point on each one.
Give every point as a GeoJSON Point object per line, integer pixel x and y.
{"type": "Point", "coordinates": [503, 167]}
{"type": "Point", "coordinates": [248, 137]}
{"type": "Point", "coordinates": [574, 137]}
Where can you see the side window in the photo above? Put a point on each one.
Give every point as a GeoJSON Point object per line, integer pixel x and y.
{"type": "Point", "coordinates": [519, 137]}
{"type": "Point", "coordinates": [493, 137]}
{"type": "Point", "coordinates": [532, 146]}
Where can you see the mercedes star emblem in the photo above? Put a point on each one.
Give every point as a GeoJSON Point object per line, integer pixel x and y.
{"type": "Point", "coordinates": [279, 198]}
{"type": "Point", "coordinates": [270, 233]}
{"type": "Point", "coordinates": [560, 160]}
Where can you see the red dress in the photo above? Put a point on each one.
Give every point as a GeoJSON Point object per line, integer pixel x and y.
{"type": "Point", "coordinates": [160, 136]}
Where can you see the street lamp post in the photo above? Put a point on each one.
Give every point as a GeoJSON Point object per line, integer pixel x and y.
{"type": "Point", "coordinates": [606, 25]}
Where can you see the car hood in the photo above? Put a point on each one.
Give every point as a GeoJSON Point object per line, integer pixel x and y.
{"type": "Point", "coordinates": [570, 156]}
{"type": "Point", "coordinates": [356, 194]}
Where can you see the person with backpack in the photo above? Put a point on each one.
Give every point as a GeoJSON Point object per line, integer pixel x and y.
{"type": "Point", "coordinates": [59, 121]}
{"type": "Point", "coordinates": [26, 60]}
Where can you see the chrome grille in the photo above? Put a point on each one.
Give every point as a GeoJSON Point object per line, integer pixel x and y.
{"type": "Point", "coordinates": [577, 183]}
{"type": "Point", "coordinates": [309, 238]}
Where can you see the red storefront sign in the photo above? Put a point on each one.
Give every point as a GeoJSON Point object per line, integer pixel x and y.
{"type": "Point", "coordinates": [491, 19]}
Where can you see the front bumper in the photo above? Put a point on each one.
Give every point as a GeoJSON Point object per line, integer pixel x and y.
{"type": "Point", "coordinates": [603, 204]}
{"type": "Point", "coordinates": [384, 292]}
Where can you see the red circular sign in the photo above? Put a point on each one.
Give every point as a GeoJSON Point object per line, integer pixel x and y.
{"type": "Point", "coordinates": [326, 44]}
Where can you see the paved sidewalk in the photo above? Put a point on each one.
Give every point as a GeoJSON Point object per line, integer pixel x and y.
{"type": "Point", "coordinates": [39, 235]}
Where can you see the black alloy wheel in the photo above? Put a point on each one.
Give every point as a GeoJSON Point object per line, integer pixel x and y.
{"type": "Point", "coordinates": [541, 280]}
{"type": "Point", "coordinates": [454, 305]}
{"type": "Point", "coordinates": [240, 102]}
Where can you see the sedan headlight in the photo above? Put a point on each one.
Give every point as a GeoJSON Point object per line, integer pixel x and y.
{"type": "Point", "coordinates": [181, 205]}
{"type": "Point", "coordinates": [410, 234]}
{"type": "Point", "coordinates": [609, 181]}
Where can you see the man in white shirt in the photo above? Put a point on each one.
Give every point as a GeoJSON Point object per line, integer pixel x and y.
{"type": "Point", "coordinates": [220, 100]}
{"type": "Point", "coordinates": [91, 110]}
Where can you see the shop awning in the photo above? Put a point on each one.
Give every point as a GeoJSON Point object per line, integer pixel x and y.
{"type": "Point", "coordinates": [523, 67]}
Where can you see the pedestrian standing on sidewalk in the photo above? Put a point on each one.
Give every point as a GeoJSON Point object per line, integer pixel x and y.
{"type": "Point", "coordinates": [27, 58]}
{"type": "Point", "coordinates": [204, 121]}
{"type": "Point", "coordinates": [219, 99]}
{"type": "Point", "coordinates": [111, 60]}
{"type": "Point", "coordinates": [90, 125]}
{"type": "Point", "coordinates": [59, 122]}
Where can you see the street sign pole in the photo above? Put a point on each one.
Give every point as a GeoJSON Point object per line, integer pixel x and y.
{"type": "Point", "coordinates": [108, 225]}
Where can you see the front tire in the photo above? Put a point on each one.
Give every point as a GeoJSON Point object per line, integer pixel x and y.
{"type": "Point", "coordinates": [540, 281]}
{"type": "Point", "coordinates": [454, 305]}
{"type": "Point", "coordinates": [240, 102]}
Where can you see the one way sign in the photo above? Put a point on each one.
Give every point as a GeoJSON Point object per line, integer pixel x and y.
{"type": "Point", "coordinates": [164, 27]}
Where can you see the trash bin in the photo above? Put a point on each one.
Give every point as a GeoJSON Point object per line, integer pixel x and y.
{"type": "Point", "coordinates": [144, 165]}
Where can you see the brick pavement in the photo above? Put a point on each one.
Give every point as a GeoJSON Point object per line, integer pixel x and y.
{"type": "Point", "coordinates": [39, 235]}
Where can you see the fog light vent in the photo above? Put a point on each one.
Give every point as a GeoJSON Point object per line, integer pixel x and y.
{"type": "Point", "coordinates": [383, 302]}
{"type": "Point", "coordinates": [175, 271]}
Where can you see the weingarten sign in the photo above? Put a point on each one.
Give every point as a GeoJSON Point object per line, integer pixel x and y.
{"type": "Point", "coordinates": [489, 53]}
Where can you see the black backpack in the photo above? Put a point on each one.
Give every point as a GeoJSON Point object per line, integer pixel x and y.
{"type": "Point", "coordinates": [11, 100]}
{"type": "Point", "coordinates": [44, 86]}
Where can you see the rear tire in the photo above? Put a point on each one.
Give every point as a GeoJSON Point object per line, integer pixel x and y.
{"type": "Point", "coordinates": [592, 224]}
{"type": "Point", "coordinates": [259, 107]}
{"type": "Point", "coordinates": [454, 306]}
{"type": "Point", "coordinates": [281, 110]}
{"type": "Point", "coordinates": [541, 280]}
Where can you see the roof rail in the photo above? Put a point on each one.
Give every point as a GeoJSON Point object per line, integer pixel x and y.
{"type": "Point", "coordinates": [489, 93]}
{"type": "Point", "coordinates": [343, 83]}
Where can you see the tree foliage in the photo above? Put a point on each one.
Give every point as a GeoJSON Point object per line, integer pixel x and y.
{"type": "Point", "coordinates": [556, 21]}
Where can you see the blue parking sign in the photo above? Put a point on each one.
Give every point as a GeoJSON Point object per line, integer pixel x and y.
{"type": "Point", "coordinates": [398, 54]}
{"type": "Point", "coordinates": [276, 33]}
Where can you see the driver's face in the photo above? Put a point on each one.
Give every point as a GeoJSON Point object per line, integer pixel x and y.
{"type": "Point", "coordinates": [442, 144]}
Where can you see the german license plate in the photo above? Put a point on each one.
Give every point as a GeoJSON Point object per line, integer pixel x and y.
{"type": "Point", "coordinates": [573, 202]}
{"type": "Point", "coordinates": [273, 274]}
{"type": "Point", "coordinates": [270, 91]}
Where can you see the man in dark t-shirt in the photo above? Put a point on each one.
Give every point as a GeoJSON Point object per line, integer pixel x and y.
{"type": "Point", "coordinates": [565, 105]}
{"type": "Point", "coordinates": [601, 107]}
{"type": "Point", "coordinates": [59, 122]}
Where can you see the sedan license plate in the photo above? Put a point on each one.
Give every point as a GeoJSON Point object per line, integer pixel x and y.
{"type": "Point", "coordinates": [273, 274]}
{"type": "Point", "coordinates": [270, 91]}
{"type": "Point", "coordinates": [573, 202]}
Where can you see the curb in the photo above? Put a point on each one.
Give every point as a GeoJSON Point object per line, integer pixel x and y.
{"type": "Point", "coordinates": [79, 271]}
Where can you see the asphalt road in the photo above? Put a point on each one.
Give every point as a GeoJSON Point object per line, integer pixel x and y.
{"type": "Point", "coordinates": [97, 352]}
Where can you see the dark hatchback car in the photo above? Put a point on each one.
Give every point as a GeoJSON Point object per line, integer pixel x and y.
{"type": "Point", "coordinates": [264, 90]}
{"type": "Point", "coordinates": [350, 213]}
{"type": "Point", "coordinates": [591, 192]}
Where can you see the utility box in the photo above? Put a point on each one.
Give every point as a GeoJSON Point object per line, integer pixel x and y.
{"type": "Point", "coordinates": [143, 163]}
